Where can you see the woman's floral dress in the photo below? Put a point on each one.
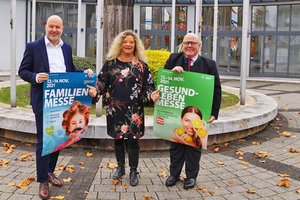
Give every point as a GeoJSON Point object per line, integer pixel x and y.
{"type": "Point", "coordinates": [125, 86]}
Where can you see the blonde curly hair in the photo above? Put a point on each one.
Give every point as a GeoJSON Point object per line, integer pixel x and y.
{"type": "Point", "coordinates": [115, 48]}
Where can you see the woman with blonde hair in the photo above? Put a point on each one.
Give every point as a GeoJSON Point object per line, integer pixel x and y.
{"type": "Point", "coordinates": [126, 81]}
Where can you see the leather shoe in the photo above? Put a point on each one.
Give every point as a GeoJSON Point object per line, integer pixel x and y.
{"type": "Point", "coordinates": [189, 183]}
{"type": "Point", "coordinates": [171, 181]}
{"type": "Point", "coordinates": [119, 172]}
{"type": "Point", "coordinates": [134, 179]}
{"type": "Point", "coordinates": [44, 191]}
{"type": "Point", "coordinates": [54, 180]}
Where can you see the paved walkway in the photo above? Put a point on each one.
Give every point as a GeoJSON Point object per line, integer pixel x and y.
{"type": "Point", "coordinates": [223, 174]}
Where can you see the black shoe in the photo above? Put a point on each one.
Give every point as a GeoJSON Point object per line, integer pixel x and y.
{"type": "Point", "coordinates": [134, 180]}
{"type": "Point", "coordinates": [119, 172]}
{"type": "Point", "coordinates": [189, 183]}
{"type": "Point", "coordinates": [171, 181]}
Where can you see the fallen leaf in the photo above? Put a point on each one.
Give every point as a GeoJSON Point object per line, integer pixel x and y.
{"type": "Point", "coordinates": [112, 165]}
{"type": "Point", "coordinates": [8, 148]}
{"type": "Point", "coordinates": [25, 183]}
{"type": "Point", "coordinates": [212, 193]}
{"type": "Point", "coordinates": [244, 162]}
{"type": "Point", "coordinates": [220, 162]}
{"type": "Point", "coordinates": [298, 190]}
{"type": "Point", "coordinates": [114, 188]}
{"type": "Point", "coordinates": [67, 180]}
{"type": "Point", "coordinates": [283, 175]}
{"type": "Point", "coordinates": [261, 154]}
{"type": "Point", "coordinates": [163, 173]}
{"type": "Point", "coordinates": [125, 186]}
{"type": "Point", "coordinates": [256, 143]}
{"type": "Point", "coordinates": [277, 118]}
{"type": "Point", "coordinates": [284, 183]}
{"type": "Point", "coordinates": [117, 181]}
{"type": "Point", "coordinates": [292, 150]}
{"type": "Point", "coordinates": [60, 167]}
{"type": "Point", "coordinates": [182, 177]}
{"type": "Point", "coordinates": [200, 187]}
{"type": "Point", "coordinates": [230, 182]}
{"type": "Point", "coordinates": [70, 168]}
{"type": "Point", "coordinates": [239, 153]}
{"type": "Point", "coordinates": [251, 191]}
{"type": "Point", "coordinates": [57, 197]}
{"type": "Point", "coordinates": [216, 149]}
{"type": "Point", "coordinates": [226, 144]}
{"type": "Point", "coordinates": [148, 197]}
{"type": "Point", "coordinates": [286, 134]}
{"type": "Point", "coordinates": [240, 140]}
{"type": "Point", "coordinates": [26, 157]}
{"type": "Point", "coordinates": [4, 163]}
{"type": "Point", "coordinates": [89, 154]}
{"type": "Point", "coordinates": [11, 184]}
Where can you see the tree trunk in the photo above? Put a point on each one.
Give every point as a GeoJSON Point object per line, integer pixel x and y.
{"type": "Point", "coordinates": [118, 17]}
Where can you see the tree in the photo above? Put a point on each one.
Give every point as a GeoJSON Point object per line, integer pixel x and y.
{"type": "Point", "coordinates": [118, 17]}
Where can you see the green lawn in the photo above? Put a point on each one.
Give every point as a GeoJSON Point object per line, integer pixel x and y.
{"type": "Point", "coordinates": [23, 97]}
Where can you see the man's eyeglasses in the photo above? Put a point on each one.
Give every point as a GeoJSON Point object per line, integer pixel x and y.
{"type": "Point", "coordinates": [190, 43]}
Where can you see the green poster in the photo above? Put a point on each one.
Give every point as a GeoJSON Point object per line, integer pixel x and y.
{"type": "Point", "coordinates": [184, 106]}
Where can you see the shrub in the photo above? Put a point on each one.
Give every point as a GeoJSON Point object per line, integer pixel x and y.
{"type": "Point", "coordinates": [84, 62]}
{"type": "Point", "coordinates": [156, 59]}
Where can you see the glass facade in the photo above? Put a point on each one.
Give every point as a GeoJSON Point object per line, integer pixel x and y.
{"type": "Point", "coordinates": [275, 32]}
{"type": "Point", "coordinates": [274, 40]}
{"type": "Point", "coordinates": [69, 15]}
{"type": "Point", "coordinates": [155, 28]}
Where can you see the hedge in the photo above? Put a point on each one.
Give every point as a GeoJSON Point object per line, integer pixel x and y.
{"type": "Point", "coordinates": [156, 59]}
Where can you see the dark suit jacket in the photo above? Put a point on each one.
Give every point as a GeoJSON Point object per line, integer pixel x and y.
{"type": "Point", "coordinates": [201, 65]}
{"type": "Point", "coordinates": [35, 60]}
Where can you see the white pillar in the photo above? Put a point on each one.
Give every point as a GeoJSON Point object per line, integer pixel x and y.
{"type": "Point", "coordinates": [198, 21]}
{"type": "Point", "coordinates": [215, 31]}
{"type": "Point", "coordinates": [13, 95]}
{"type": "Point", "coordinates": [245, 57]}
{"type": "Point", "coordinates": [33, 20]}
{"type": "Point", "coordinates": [79, 34]}
{"type": "Point", "coordinates": [99, 48]}
{"type": "Point", "coordinates": [173, 26]}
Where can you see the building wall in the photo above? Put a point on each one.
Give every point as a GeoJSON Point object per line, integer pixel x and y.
{"type": "Point", "coordinates": [5, 9]}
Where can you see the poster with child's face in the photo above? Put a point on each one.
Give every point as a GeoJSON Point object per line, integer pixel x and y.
{"type": "Point", "coordinates": [184, 106]}
{"type": "Point", "coordinates": [66, 109]}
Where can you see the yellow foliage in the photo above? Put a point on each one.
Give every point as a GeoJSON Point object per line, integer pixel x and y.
{"type": "Point", "coordinates": [156, 59]}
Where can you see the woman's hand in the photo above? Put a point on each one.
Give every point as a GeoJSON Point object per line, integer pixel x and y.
{"type": "Point", "coordinates": [212, 118]}
{"type": "Point", "coordinates": [178, 69]}
{"type": "Point", "coordinates": [89, 72]}
{"type": "Point", "coordinates": [155, 96]}
{"type": "Point", "coordinates": [92, 91]}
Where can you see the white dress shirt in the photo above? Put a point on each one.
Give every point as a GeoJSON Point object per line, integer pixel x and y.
{"type": "Point", "coordinates": [55, 56]}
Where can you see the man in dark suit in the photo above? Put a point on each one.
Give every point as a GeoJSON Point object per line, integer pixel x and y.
{"type": "Point", "coordinates": [49, 54]}
{"type": "Point", "coordinates": [189, 60]}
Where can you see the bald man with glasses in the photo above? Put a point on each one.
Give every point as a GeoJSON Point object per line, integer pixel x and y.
{"type": "Point", "coordinates": [190, 60]}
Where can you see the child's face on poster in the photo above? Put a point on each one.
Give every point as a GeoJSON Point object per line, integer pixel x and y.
{"type": "Point", "coordinates": [77, 123]}
{"type": "Point", "coordinates": [187, 122]}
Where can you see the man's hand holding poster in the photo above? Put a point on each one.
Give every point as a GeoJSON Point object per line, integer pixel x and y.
{"type": "Point", "coordinates": [184, 106]}
{"type": "Point", "coordinates": [66, 109]}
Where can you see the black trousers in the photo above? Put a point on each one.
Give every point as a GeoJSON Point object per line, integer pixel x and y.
{"type": "Point", "coordinates": [44, 164]}
{"type": "Point", "coordinates": [180, 154]}
{"type": "Point", "coordinates": [133, 148]}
